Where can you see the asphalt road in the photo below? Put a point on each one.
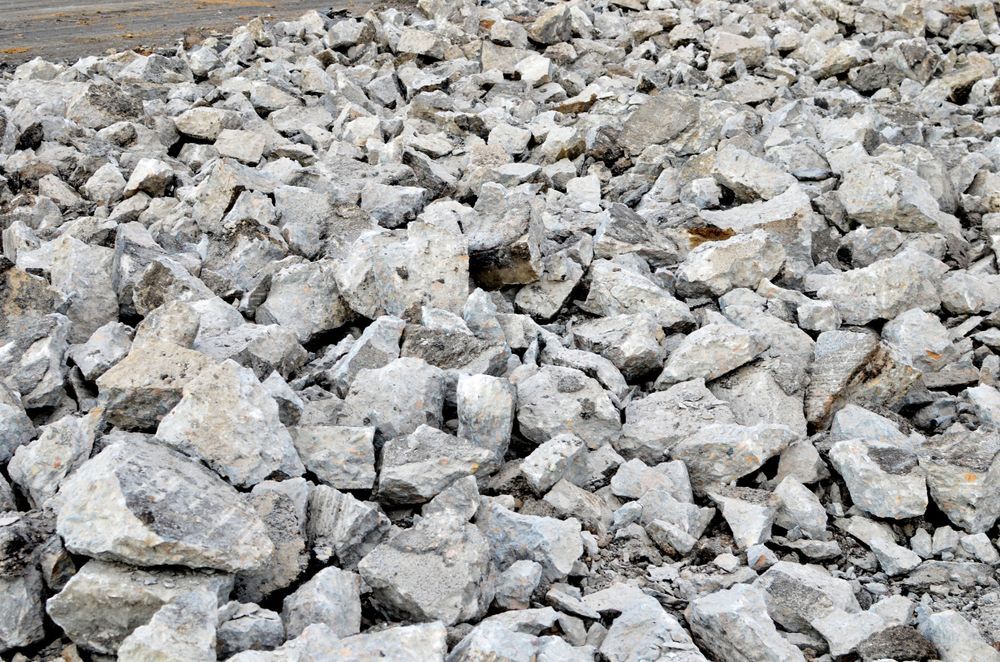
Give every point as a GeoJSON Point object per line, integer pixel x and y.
{"type": "Point", "coordinates": [68, 29]}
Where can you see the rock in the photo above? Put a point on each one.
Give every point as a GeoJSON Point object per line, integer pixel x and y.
{"type": "Point", "coordinates": [332, 597]}
{"type": "Point", "coordinates": [510, 536]}
{"type": "Point", "coordinates": [341, 457]}
{"type": "Point", "coordinates": [883, 479]}
{"type": "Point", "coordinates": [742, 261]}
{"type": "Point", "coordinates": [893, 558]}
{"type": "Point", "coordinates": [419, 466]}
{"type": "Point", "coordinates": [710, 352]}
{"type": "Point", "coordinates": [228, 420]}
{"type": "Point", "coordinates": [16, 428]}
{"type": "Point", "coordinates": [21, 610]}
{"type": "Point", "coordinates": [139, 390]}
{"type": "Point", "coordinates": [734, 623]}
{"type": "Point", "coordinates": [282, 507]}
{"type": "Point", "coordinates": [104, 602]}
{"type": "Point", "coordinates": [960, 477]}
{"type": "Point", "coordinates": [377, 347]}
{"type": "Point", "coordinates": [244, 146]}
{"type": "Point", "coordinates": [516, 584]}
{"type": "Point", "coordinates": [306, 299]}
{"type": "Point", "coordinates": [486, 408]}
{"type": "Point", "coordinates": [884, 289]}
{"type": "Point", "coordinates": [436, 570]}
{"type": "Point", "coordinates": [182, 629]}
{"type": "Point", "coordinates": [558, 400]}
{"type": "Point", "coordinates": [750, 178]}
{"type": "Point", "coordinates": [631, 342]}
{"type": "Point", "coordinates": [955, 638]}
{"type": "Point", "coordinates": [800, 508]}
{"type": "Point", "coordinates": [720, 453]}
{"type": "Point", "coordinates": [247, 627]}
{"type": "Point", "coordinates": [657, 422]}
{"type": "Point", "coordinates": [617, 290]}
{"type": "Point", "coordinates": [116, 507]}
{"type": "Point", "coordinates": [749, 513]}
{"type": "Point", "coordinates": [551, 461]}
{"type": "Point", "coordinates": [106, 346]}
{"type": "Point", "coordinates": [396, 399]}
{"type": "Point", "coordinates": [342, 527]}
{"type": "Point", "coordinates": [796, 595]}
{"type": "Point", "coordinates": [849, 366]}
{"type": "Point", "coordinates": [897, 642]}
{"type": "Point", "coordinates": [39, 467]}
{"type": "Point", "coordinates": [150, 176]}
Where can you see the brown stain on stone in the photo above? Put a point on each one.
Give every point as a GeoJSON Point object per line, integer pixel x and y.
{"type": "Point", "coordinates": [698, 236]}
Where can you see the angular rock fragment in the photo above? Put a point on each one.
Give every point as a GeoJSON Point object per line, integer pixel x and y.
{"type": "Point", "coordinates": [332, 597]}
{"type": "Point", "coordinates": [734, 623]}
{"type": "Point", "coordinates": [147, 505]}
{"type": "Point", "coordinates": [419, 466]}
{"type": "Point", "coordinates": [884, 480]}
{"type": "Point", "coordinates": [436, 570]}
{"type": "Point", "coordinates": [558, 400]}
{"type": "Point", "coordinates": [184, 628]}
{"type": "Point", "coordinates": [720, 453]}
{"type": "Point", "coordinates": [710, 352]}
{"type": "Point", "coordinates": [104, 602]}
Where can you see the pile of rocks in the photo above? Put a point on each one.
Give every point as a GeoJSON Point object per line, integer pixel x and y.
{"type": "Point", "coordinates": [604, 329]}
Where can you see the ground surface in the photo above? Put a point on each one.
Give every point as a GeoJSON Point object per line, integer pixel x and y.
{"type": "Point", "coordinates": [69, 29]}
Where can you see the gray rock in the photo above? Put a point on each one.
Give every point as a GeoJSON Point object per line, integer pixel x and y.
{"type": "Point", "coordinates": [21, 610]}
{"type": "Point", "coordinates": [893, 558]}
{"type": "Point", "coordinates": [631, 342]}
{"type": "Point", "coordinates": [551, 461]}
{"type": "Point", "coordinates": [555, 544]}
{"type": "Point", "coordinates": [247, 627]}
{"type": "Point", "coordinates": [343, 528]}
{"type": "Point", "coordinates": [800, 508]}
{"type": "Point", "coordinates": [797, 594]}
{"type": "Point", "coordinates": [721, 453]}
{"type": "Point", "coordinates": [419, 466]}
{"type": "Point", "coordinates": [617, 290]}
{"type": "Point", "coordinates": [516, 584]}
{"type": "Point", "coordinates": [182, 629]}
{"type": "Point", "coordinates": [961, 477]}
{"type": "Point", "coordinates": [377, 346]}
{"type": "Point", "coordinates": [282, 507]}
{"type": "Point", "coordinates": [884, 289]}
{"type": "Point", "coordinates": [16, 429]}
{"type": "Point", "coordinates": [331, 597]}
{"type": "Point", "coordinates": [106, 346]}
{"type": "Point", "coordinates": [486, 407]}
{"type": "Point", "coordinates": [558, 400]}
{"type": "Point", "coordinates": [305, 298]}
{"type": "Point", "coordinates": [710, 352]}
{"type": "Point", "coordinates": [734, 624]}
{"type": "Point", "coordinates": [884, 480]}
{"type": "Point", "coordinates": [748, 512]}
{"type": "Point", "coordinates": [955, 638]}
{"type": "Point", "coordinates": [341, 457]}
{"type": "Point", "coordinates": [228, 420]}
{"type": "Point", "coordinates": [104, 602]}
{"type": "Point", "coordinates": [396, 399]}
{"type": "Point", "coordinates": [439, 569]}
{"type": "Point", "coordinates": [139, 390]}
{"type": "Point", "coordinates": [39, 467]}
{"type": "Point", "coordinates": [147, 505]}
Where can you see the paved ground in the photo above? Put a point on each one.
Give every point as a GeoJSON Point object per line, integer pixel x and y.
{"type": "Point", "coordinates": [69, 29]}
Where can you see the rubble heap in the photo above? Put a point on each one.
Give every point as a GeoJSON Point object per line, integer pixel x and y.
{"type": "Point", "coordinates": [597, 330]}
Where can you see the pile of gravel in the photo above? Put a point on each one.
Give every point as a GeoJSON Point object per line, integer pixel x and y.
{"type": "Point", "coordinates": [622, 330]}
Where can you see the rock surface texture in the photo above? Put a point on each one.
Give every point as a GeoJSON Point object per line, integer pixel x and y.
{"type": "Point", "coordinates": [522, 330]}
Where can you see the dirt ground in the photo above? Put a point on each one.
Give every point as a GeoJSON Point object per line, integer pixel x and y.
{"type": "Point", "coordinates": [69, 29]}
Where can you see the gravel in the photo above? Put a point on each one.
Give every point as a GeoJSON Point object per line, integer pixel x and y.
{"type": "Point", "coordinates": [629, 330]}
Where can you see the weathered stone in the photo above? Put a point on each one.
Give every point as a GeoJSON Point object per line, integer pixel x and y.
{"type": "Point", "coordinates": [962, 472]}
{"type": "Point", "coordinates": [710, 352]}
{"type": "Point", "coordinates": [419, 466]}
{"type": "Point", "coordinates": [719, 453]}
{"type": "Point", "coordinates": [398, 398]}
{"type": "Point", "coordinates": [182, 629]}
{"type": "Point", "coordinates": [734, 624]}
{"type": "Point", "coordinates": [147, 505]}
{"type": "Point", "coordinates": [436, 570]}
{"type": "Point", "coordinates": [332, 597]}
{"type": "Point", "coordinates": [104, 602]}
{"type": "Point", "coordinates": [510, 536]}
{"type": "Point", "coordinates": [884, 480]}
{"type": "Point", "coordinates": [341, 457]}
{"type": "Point", "coordinates": [559, 400]}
